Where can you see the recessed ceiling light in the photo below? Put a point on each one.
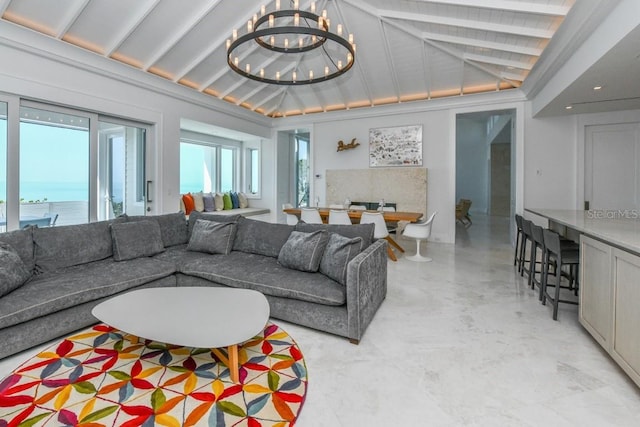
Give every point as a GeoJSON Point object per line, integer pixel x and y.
{"type": "Point", "coordinates": [597, 87]}
{"type": "Point", "coordinates": [568, 107]}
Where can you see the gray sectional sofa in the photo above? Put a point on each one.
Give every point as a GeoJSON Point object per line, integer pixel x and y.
{"type": "Point", "coordinates": [326, 277]}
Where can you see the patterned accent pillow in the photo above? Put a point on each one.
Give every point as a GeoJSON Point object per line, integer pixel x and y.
{"type": "Point", "coordinates": [13, 272]}
{"type": "Point", "coordinates": [212, 237]}
{"type": "Point", "coordinates": [219, 202]}
{"type": "Point", "coordinates": [339, 251]}
{"type": "Point", "coordinates": [242, 199]}
{"type": "Point", "coordinates": [209, 204]}
{"type": "Point", "coordinates": [136, 239]}
{"type": "Point", "coordinates": [303, 251]}
{"type": "Point", "coordinates": [226, 199]}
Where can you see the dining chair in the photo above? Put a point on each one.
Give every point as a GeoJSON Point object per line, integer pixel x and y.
{"type": "Point", "coordinates": [339, 217]}
{"type": "Point", "coordinates": [419, 231]}
{"type": "Point", "coordinates": [387, 209]}
{"type": "Point", "coordinates": [336, 206]}
{"type": "Point", "coordinates": [380, 231]}
{"type": "Point", "coordinates": [358, 207]}
{"type": "Point", "coordinates": [310, 216]}
{"type": "Point", "coordinates": [291, 218]}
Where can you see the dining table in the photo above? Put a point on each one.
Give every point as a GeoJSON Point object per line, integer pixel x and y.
{"type": "Point", "coordinates": [356, 214]}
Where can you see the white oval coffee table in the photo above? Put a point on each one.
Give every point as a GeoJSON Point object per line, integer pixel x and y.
{"type": "Point", "coordinates": [198, 317]}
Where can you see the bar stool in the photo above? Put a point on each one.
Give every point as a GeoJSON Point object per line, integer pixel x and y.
{"type": "Point", "coordinates": [537, 242]}
{"type": "Point", "coordinates": [526, 237]}
{"type": "Point", "coordinates": [554, 251]}
{"type": "Point", "coordinates": [517, 253]}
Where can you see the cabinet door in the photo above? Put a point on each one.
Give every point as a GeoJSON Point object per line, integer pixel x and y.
{"type": "Point", "coordinates": [596, 302]}
{"type": "Point", "coordinates": [626, 339]}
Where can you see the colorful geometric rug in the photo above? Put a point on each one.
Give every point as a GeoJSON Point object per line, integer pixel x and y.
{"type": "Point", "coordinates": [98, 378]}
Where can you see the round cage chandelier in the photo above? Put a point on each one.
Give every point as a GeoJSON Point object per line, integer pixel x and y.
{"type": "Point", "coordinates": [292, 33]}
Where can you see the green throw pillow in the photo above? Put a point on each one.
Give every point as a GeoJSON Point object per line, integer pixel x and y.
{"type": "Point", "coordinates": [226, 199]}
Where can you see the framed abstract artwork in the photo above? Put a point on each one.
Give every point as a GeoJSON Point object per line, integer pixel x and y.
{"type": "Point", "coordinates": [395, 146]}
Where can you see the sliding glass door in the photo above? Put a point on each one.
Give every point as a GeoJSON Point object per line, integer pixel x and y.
{"type": "Point", "coordinates": [122, 187]}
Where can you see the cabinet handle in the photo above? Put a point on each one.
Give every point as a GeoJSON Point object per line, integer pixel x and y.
{"type": "Point", "coordinates": [148, 192]}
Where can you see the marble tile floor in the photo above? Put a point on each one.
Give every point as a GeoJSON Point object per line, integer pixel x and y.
{"type": "Point", "coordinates": [461, 341]}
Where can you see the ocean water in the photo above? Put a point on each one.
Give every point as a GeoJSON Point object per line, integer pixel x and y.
{"type": "Point", "coordinates": [53, 191]}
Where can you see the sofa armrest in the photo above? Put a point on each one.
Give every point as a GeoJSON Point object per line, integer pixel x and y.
{"type": "Point", "coordinates": [366, 287]}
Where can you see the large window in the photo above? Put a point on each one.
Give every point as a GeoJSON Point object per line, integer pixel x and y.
{"type": "Point", "coordinates": [54, 167]}
{"type": "Point", "coordinates": [69, 166]}
{"type": "Point", "coordinates": [208, 167]}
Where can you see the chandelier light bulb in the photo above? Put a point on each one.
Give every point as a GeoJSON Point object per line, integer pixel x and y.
{"type": "Point", "coordinates": [247, 68]}
{"type": "Point", "coordinates": [320, 22]}
{"type": "Point", "coordinates": [228, 43]}
{"type": "Point", "coordinates": [310, 74]}
{"type": "Point", "coordinates": [300, 42]}
{"type": "Point", "coordinates": [340, 65]}
{"type": "Point", "coordinates": [272, 40]}
{"type": "Point", "coordinates": [326, 70]}
{"type": "Point", "coordinates": [249, 26]}
{"type": "Point", "coordinates": [236, 61]}
{"type": "Point", "coordinates": [313, 7]}
{"type": "Point", "coordinates": [286, 43]}
{"type": "Point", "coordinates": [339, 29]}
{"type": "Point", "coordinates": [296, 19]}
{"type": "Point", "coordinates": [351, 38]}
{"type": "Point", "coordinates": [272, 21]}
{"type": "Point", "coordinates": [235, 34]}
{"type": "Point", "coordinates": [263, 10]}
{"type": "Point", "coordinates": [294, 75]}
{"type": "Point", "coordinates": [262, 73]}
{"type": "Point", "coordinates": [296, 4]}
{"type": "Point", "coordinates": [277, 4]}
{"type": "Point", "coordinates": [278, 75]}
{"type": "Point", "coordinates": [353, 45]}
{"type": "Point", "coordinates": [324, 14]}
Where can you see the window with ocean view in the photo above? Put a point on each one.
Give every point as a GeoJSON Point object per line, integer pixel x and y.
{"type": "Point", "coordinates": [207, 167]}
{"type": "Point", "coordinates": [54, 166]}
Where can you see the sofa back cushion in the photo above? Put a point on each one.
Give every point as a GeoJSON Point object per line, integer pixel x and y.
{"type": "Point", "coordinates": [195, 216]}
{"type": "Point", "coordinates": [365, 231]}
{"type": "Point", "coordinates": [68, 245]}
{"type": "Point", "coordinates": [212, 237]}
{"type": "Point", "coordinates": [22, 242]}
{"type": "Point", "coordinates": [259, 237]}
{"type": "Point", "coordinates": [13, 272]}
{"type": "Point", "coordinates": [173, 227]}
{"type": "Point", "coordinates": [136, 239]}
{"type": "Point", "coordinates": [303, 251]}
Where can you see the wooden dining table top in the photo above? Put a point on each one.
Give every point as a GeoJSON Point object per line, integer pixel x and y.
{"type": "Point", "coordinates": [389, 216]}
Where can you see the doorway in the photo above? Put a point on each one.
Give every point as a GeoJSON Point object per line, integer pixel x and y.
{"type": "Point", "coordinates": [485, 159]}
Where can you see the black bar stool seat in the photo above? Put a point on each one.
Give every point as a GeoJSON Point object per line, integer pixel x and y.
{"type": "Point", "coordinates": [567, 256]}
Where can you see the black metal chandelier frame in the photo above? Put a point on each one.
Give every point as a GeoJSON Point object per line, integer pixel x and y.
{"type": "Point", "coordinates": [259, 34]}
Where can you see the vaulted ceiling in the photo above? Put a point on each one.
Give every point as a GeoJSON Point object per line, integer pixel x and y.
{"type": "Point", "coordinates": [406, 49]}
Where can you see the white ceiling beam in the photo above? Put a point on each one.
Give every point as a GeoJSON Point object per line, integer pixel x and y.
{"type": "Point", "coordinates": [513, 76]}
{"type": "Point", "coordinates": [484, 44]}
{"type": "Point", "coordinates": [507, 5]}
{"type": "Point", "coordinates": [267, 98]}
{"type": "Point", "coordinates": [425, 66]}
{"type": "Point", "coordinates": [452, 52]}
{"type": "Point", "coordinates": [358, 64]}
{"type": "Point", "coordinates": [179, 34]}
{"type": "Point", "coordinates": [279, 103]}
{"type": "Point", "coordinates": [498, 61]}
{"type": "Point", "coordinates": [70, 19]}
{"type": "Point", "coordinates": [250, 94]}
{"type": "Point", "coordinates": [466, 23]}
{"type": "Point", "coordinates": [390, 63]}
{"type": "Point", "coordinates": [130, 26]}
{"type": "Point", "coordinates": [205, 53]}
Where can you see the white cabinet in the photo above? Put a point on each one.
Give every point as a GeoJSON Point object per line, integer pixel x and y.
{"type": "Point", "coordinates": [596, 290]}
{"type": "Point", "coordinates": [626, 335]}
{"type": "Point", "coordinates": [610, 301]}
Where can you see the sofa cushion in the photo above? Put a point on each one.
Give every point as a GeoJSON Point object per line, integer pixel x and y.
{"type": "Point", "coordinates": [68, 245]}
{"type": "Point", "coordinates": [198, 201]}
{"type": "Point", "coordinates": [69, 287]}
{"type": "Point", "coordinates": [13, 272]}
{"type": "Point", "coordinates": [209, 204]}
{"type": "Point", "coordinates": [259, 237]}
{"type": "Point", "coordinates": [243, 201]}
{"type": "Point", "coordinates": [136, 239]}
{"type": "Point", "coordinates": [303, 251]}
{"type": "Point", "coordinates": [264, 274]}
{"type": "Point", "coordinates": [189, 203]}
{"type": "Point", "coordinates": [339, 251]}
{"type": "Point", "coordinates": [212, 237]}
{"type": "Point", "coordinates": [235, 201]}
{"type": "Point", "coordinates": [219, 202]}
{"type": "Point", "coordinates": [356, 230]}
{"type": "Point", "coordinates": [173, 227]}
{"type": "Point", "coordinates": [195, 216]}
{"type": "Point", "coordinates": [226, 201]}
{"type": "Point", "coordinates": [22, 242]}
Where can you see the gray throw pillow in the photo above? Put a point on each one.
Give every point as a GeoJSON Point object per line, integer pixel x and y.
{"type": "Point", "coordinates": [212, 237]}
{"type": "Point", "coordinates": [136, 239]}
{"type": "Point", "coordinates": [303, 251]}
{"type": "Point", "coordinates": [13, 272]}
{"type": "Point", "coordinates": [339, 251]}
